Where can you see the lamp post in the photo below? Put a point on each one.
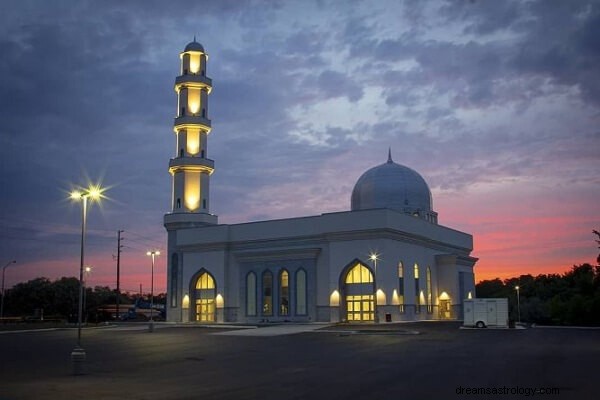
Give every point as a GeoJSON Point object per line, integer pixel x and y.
{"type": "Point", "coordinates": [94, 193]}
{"type": "Point", "coordinates": [2, 301]}
{"type": "Point", "coordinates": [152, 254]}
{"type": "Point", "coordinates": [88, 270]}
{"type": "Point", "coordinates": [374, 257]}
{"type": "Point", "coordinates": [517, 288]}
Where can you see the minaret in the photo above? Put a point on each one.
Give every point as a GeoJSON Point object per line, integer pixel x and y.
{"type": "Point", "coordinates": [190, 168]}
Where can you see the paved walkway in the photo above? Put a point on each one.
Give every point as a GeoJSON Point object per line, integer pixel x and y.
{"type": "Point", "coordinates": [276, 330]}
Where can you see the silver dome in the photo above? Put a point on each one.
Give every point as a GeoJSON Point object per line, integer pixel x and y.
{"type": "Point", "coordinates": [194, 46]}
{"type": "Point", "coordinates": [396, 187]}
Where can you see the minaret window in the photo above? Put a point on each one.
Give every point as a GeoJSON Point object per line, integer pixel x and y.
{"type": "Point", "coordinates": [182, 112]}
{"type": "Point", "coordinates": [204, 203]}
{"type": "Point", "coordinates": [203, 113]}
{"type": "Point", "coordinates": [178, 203]}
{"type": "Point", "coordinates": [180, 152]}
{"type": "Point", "coordinates": [202, 154]}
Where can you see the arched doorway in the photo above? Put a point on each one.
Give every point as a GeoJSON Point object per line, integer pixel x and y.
{"type": "Point", "coordinates": [444, 306]}
{"type": "Point", "coordinates": [359, 293]}
{"type": "Point", "coordinates": [205, 292]}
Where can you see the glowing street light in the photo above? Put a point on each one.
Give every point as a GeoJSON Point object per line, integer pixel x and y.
{"type": "Point", "coordinates": [94, 193]}
{"type": "Point", "coordinates": [2, 301]}
{"type": "Point", "coordinates": [153, 254]}
{"type": "Point", "coordinates": [518, 303]}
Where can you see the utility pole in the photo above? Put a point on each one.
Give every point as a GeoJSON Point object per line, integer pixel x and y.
{"type": "Point", "coordinates": [119, 247]}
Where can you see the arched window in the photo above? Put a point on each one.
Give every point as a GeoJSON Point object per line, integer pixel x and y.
{"type": "Point", "coordinates": [401, 286]}
{"type": "Point", "coordinates": [429, 296]}
{"type": "Point", "coordinates": [284, 293]}
{"type": "Point", "coordinates": [174, 273]}
{"type": "Point", "coordinates": [205, 281]}
{"type": "Point", "coordinates": [301, 308]}
{"type": "Point", "coordinates": [251, 294]}
{"type": "Point", "coordinates": [180, 152]}
{"type": "Point", "coordinates": [417, 299]}
{"type": "Point", "coordinates": [267, 293]}
{"type": "Point", "coordinates": [178, 203]}
{"type": "Point", "coordinates": [205, 298]}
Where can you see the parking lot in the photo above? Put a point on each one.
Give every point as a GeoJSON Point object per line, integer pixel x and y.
{"type": "Point", "coordinates": [393, 361]}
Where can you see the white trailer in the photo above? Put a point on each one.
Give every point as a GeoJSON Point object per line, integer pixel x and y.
{"type": "Point", "coordinates": [482, 313]}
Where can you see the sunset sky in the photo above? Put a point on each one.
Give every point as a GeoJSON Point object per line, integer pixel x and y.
{"type": "Point", "coordinates": [495, 103]}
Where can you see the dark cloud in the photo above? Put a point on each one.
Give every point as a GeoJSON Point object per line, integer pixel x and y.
{"type": "Point", "coordinates": [465, 92]}
{"type": "Point", "coordinates": [336, 84]}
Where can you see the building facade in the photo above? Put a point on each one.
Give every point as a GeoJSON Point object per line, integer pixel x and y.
{"type": "Point", "coordinates": [387, 259]}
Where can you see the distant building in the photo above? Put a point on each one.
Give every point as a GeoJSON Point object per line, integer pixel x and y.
{"type": "Point", "coordinates": [385, 260]}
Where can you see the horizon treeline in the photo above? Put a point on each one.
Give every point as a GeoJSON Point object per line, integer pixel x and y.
{"type": "Point", "coordinates": [571, 298]}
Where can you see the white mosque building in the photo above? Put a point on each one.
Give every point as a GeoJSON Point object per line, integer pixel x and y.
{"type": "Point", "coordinates": [385, 260]}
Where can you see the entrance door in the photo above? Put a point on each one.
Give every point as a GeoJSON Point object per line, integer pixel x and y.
{"type": "Point", "coordinates": [358, 296]}
{"type": "Point", "coordinates": [205, 310]}
{"type": "Point", "coordinates": [360, 308]}
{"type": "Point", "coordinates": [445, 309]}
{"type": "Point", "coordinates": [205, 298]}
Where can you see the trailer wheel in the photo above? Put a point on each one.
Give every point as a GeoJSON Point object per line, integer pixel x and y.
{"type": "Point", "coordinates": [480, 324]}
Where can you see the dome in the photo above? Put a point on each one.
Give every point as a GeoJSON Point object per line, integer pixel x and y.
{"type": "Point", "coordinates": [396, 187]}
{"type": "Point", "coordinates": [194, 46]}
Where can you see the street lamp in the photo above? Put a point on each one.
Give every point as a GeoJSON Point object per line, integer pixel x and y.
{"type": "Point", "coordinates": [95, 194]}
{"type": "Point", "coordinates": [153, 254]}
{"type": "Point", "coordinates": [518, 303]}
{"type": "Point", "coordinates": [2, 301]}
{"type": "Point", "coordinates": [374, 257]}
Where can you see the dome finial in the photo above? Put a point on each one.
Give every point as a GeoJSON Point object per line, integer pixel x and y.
{"type": "Point", "coordinates": [194, 38]}
{"type": "Point", "coordinates": [390, 155]}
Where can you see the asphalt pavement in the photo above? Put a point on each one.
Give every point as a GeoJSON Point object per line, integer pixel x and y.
{"type": "Point", "coordinates": [310, 361]}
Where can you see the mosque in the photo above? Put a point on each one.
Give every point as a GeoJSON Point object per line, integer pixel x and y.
{"type": "Point", "coordinates": [385, 260]}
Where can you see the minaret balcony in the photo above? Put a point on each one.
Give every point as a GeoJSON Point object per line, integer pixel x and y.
{"type": "Point", "coordinates": [192, 120]}
{"type": "Point", "coordinates": [193, 80]}
{"type": "Point", "coordinates": [191, 164]}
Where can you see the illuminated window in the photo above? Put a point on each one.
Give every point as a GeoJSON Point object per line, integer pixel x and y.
{"type": "Point", "coordinates": [205, 282]}
{"type": "Point", "coordinates": [267, 293]}
{"type": "Point", "coordinates": [174, 272]}
{"type": "Point", "coordinates": [417, 300]}
{"type": "Point", "coordinates": [284, 293]}
{"type": "Point", "coordinates": [251, 294]}
{"type": "Point", "coordinates": [429, 297]}
{"type": "Point", "coordinates": [205, 298]}
{"type": "Point", "coordinates": [301, 292]}
{"type": "Point", "coordinates": [359, 274]}
{"type": "Point", "coordinates": [401, 286]}
{"type": "Point", "coordinates": [360, 304]}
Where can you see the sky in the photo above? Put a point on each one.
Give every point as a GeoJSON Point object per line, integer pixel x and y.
{"type": "Point", "coordinates": [495, 103]}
